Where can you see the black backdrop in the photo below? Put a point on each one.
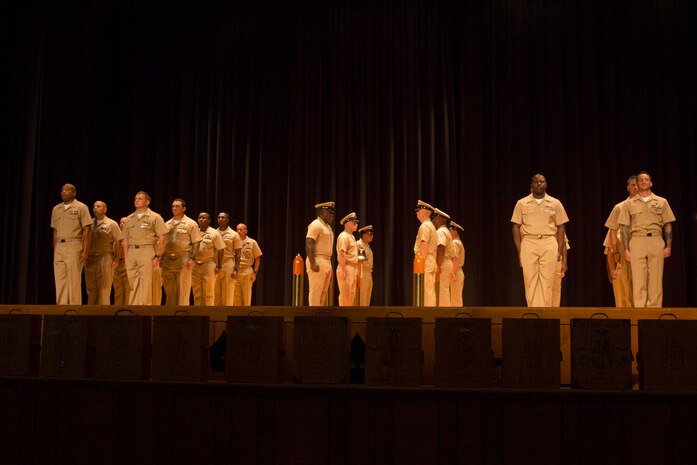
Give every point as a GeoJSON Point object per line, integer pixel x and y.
{"type": "Point", "coordinates": [263, 108]}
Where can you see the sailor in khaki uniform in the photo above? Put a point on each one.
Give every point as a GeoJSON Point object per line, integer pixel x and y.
{"type": "Point", "coordinates": [367, 233]}
{"type": "Point", "coordinates": [444, 256]}
{"type": "Point", "coordinates": [647, 224]}
{"type": "Point", "coordinates": [181, 245]}
{"type": "Point", "coordinates": [538, 233]}
{"type": "Point", "coordinates": [319, 242]}
{"type": "Point", "coordinates": [250, 261]}
{"type": "Point", "coordinates": [72, 232]}
{"type": "Point", "coordinates": [619, 270]}
{"type": "Point", "coordinates": [143, 246]}
{"type": "Point", "coordinates": [347, 255]}
{"type": "Point", "coordinates": [99, 270]}
{"type": "Point", "coordinates": [458, 284]}
{"type": "Point", "coordinates": [121, 288]}
{"type": "Point", "coordinates": [227, 273]}
{"type": "Point", "coordinates": [209, 258]}
{"type": "Point", "coordinates": [426, 243]}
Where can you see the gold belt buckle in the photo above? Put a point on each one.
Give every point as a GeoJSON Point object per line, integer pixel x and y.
{"type": "Point", "coordinates": [200, 262]}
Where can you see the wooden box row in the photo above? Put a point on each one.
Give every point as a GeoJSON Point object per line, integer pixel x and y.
{"type": "Point", "coordinates": [176, 348]}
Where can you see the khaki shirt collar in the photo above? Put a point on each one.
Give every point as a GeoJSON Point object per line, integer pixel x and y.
{"type": "Point", "coordinates": [531, 198]}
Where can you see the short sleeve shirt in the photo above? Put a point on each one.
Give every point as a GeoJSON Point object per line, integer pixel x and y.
{"type": "Point", "coordinates": [347, 243]}
{"type": "Point", "coordinates": [68, 222]}
{"type": "Point", "coordinates": [105, 233]}
{"type": "Point", "coordinates": [459, 251]}
{"type": "Point", "coordinates": [250, 252]}
{"type": "Point", "coordinates": [323, 235]}
{"type": "Point", "coordinates": [446, 239]}
{"type": "Point", "coordinates": [606, 243]}
{"type": "Point", "coordinates": [232, 242]}
{"type": "Point", "coordinates": [211, 241]}
{"type": "Point", "coordinates": [646, 217]}
{"type": "Point", "coordinates": [613, 220]}
{"type": "Point", "coordinates": [539, 218]}
{"type": "Point", "coordinates": [182, 235]}
{"type": "Point", "coordinates": [145, 230]}
{"type": "Point", "coordinates": [427, 233]}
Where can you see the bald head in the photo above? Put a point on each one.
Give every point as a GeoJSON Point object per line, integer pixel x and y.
{"type": "Point", "coordinates": [242, 230]}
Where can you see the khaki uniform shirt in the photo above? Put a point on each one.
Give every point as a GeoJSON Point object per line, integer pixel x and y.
{"type": "Point", "coordinates": [614, 224]}
{"type": "Point", "coordinates": [347, 243]}
{"type": "Point", "coordinates": [539, 219]}
{"type": "Point", "coordinates": [446, 239]}
{"type": "Point", "coordinates": [427, 233]}
{"type": "Point", "coordinates": [145, 230]}
{"type": "Point", "coordinates": [69, 222]}
{"type": "Point", "coordinates": [646, 217]}
{"type": "Point", "coordinates": [211, 240]}
{"type": "Point", "coordinates": [232, 242]}
{"type": "Point", "coordinates": [607, 243]}
{"type": "Point", "coordinates": [613, 220]}
{"type": "Point", "coordinates": [368, 262]}
{"type": "Point", "coordinates": [323, 235]}
{"type": "Point", "coordinates": [250, 252]}
{"type": "Point", "coordinates": [459, 251]}
{"type": "Point", "coordinates": [182, 235]}
{"type": "Point", "coordinates": [105, 235]}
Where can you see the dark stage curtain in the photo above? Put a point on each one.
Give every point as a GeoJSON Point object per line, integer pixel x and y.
{"type": "Point", "coordinates": [264, 108]}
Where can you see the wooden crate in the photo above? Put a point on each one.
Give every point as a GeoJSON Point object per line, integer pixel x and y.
{"type": "Point", "coordinates": [601, 354]}
{"type": "Point", "coordinates": [394, 356]}
{"type": "Point", "coordinates": [122, 346]}
{"type": "Point", "coordinates": [254, 349]}
{"type": "Point", "coordinates": [65, 347]}
{"type": "Point", "coordinates": [180, 348]}
{"type": "Point", "coordinates": [321, 349]}
{"type": "Point", "coordinates": [463, 352]}
{"type": "Point", "coordinates": [20, 344]}
{"type": "Point", "coordinates": [667, 357]}
{"type": "Point", "coordinates": [531, 355]}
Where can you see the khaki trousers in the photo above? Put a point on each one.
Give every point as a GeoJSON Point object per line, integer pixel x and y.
{"type": "Point", "coordinates": [243, 289]}
{"type": "Point", "coordinates": [99, 275]}
{"type": "Point", "coordinates": [647, 271]}
{"type": "Point", "coordinates": [366, 290]}
{"type": "Point", "coordinates": [176, 279]}
{"type": "Point", "coordinates": [140, 275]}
{"type": "Point", "coordinates": [347, 287]}
{"type": "Point", "coordinates": [445, 283]}
{"type": "Point", "coordinates": [157, 286]}
{"type": "Point", "coordinates": [556, 287]}
{"type": "Point", "coordinates": [225, 285]}
{"type": "Point", "coordinates": [430, 282]}
{"type": "Point", "coordinates": [456, 288]}
{"type": "Point", "coordinates": [121, 287]}
{"type": "Point", "coordinates": [203, 283]}
{"type": "Point", "coordinates": [539, 259]}
{"type": "Point", "coordinates": [622, 285]}
{"type": "Point", "coordinates": [319, 281]}
{"type": "Point", "coordinates": [67, 271]}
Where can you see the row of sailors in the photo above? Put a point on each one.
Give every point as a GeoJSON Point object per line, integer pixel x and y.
{"type": "Point", "coordinates": [143, 252]}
